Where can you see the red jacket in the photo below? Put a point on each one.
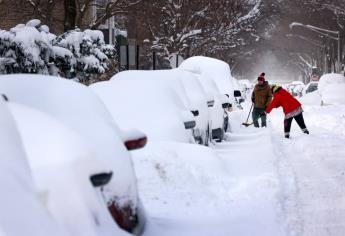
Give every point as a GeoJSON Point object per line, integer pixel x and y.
{"type": "Point", "coordinates": [285, 99]}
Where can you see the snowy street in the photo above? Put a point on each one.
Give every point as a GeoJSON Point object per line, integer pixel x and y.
{"type": "Point", "coordinates": [260, 184]}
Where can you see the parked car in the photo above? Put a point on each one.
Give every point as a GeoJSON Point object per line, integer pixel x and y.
{"type": "Point", "coordinates": [188, 88]}
{"type": "Point", "coordinates": [77, 107]}
{"type": "Point", "coordinates": [152, 105]}
{"type": "Point", "coordinates": [333, 94]}
{"type": "Point", "coordinates": [296, 88]}
{"type": "Point", "coordinates": [68, 179]}
{"type": "Point", "coordinates": [21, 212]}
{"type": "Point", "coordinates": [218, 105]}
{"type": "Point", "coordinates": [216, 69]}
{"type": "Point", "coordinates": [310, 87]}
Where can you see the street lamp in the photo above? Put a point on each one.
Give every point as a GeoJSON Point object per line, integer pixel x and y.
{"type": "Point", "coordinates": [324, 32]}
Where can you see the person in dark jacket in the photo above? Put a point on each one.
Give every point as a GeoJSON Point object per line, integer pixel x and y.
{"type": "Point", "coordinates": [291, 107]}
{"type": "Point", "coordinates": [261, 97]}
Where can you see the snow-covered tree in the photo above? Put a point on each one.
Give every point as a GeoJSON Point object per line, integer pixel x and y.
{"type": "Point", "coordinates": [189, 27]}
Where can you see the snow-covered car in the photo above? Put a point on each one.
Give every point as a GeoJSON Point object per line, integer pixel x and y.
{"type": "Point", "coordinates": [218, 105]}
{"type": "Point", "coordinates": [310, 87]}
{"type": "Point", "coordinates": [21, 210]}
{"type": "Point", "coordinates": [216, 69]}
{"type": "Point", "coordinates": [188, 88]}
{"type": "Point", "coordinates": [77, 107]}
{"type": "Point", "coordinates": [328, 79]}
{"type": "Point", "coordinates": [296, 88]}
{"type": "Point", "coordinates": [246, 86]}
{"type": "Point", "coordinates": [149, 105]}
{"type": "Point", "coordinates": [68, 179]}
{"type": "Point", "coordinates": [333, 94]}
{"type": "Point", "coordinates": [332, 89]}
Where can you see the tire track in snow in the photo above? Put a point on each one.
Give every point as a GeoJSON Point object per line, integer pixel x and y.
{"type": "Point", "coordinates": [289, 190]}
{"type": "Point", "coordinates": [312, 168]}
{"type": "Point", "coordinates": [250, 160]}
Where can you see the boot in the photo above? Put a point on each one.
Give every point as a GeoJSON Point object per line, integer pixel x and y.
{"type": "Point", "coordinates": [306, 131]}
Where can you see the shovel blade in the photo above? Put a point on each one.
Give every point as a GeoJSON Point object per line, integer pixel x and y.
{"type": "Point", "coordinates": [246, 124]}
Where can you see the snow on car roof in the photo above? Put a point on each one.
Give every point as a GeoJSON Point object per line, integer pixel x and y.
{"type": "Point", "coordinates": [154, 107]}
{"type": "Point", "coordinates": [47, 141]}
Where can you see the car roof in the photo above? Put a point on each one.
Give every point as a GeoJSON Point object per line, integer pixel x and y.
{"type": "Point", "coordinates": [47, 141]}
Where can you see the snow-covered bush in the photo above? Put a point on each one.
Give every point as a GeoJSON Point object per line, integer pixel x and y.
{"type": "Point", "coordinates": [24, 50]}
{"type": "Point", "coordinates": [31, 48]}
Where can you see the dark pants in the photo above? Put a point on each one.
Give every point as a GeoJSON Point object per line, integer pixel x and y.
{"type": "Point", "coordinates": [256, 114]}
{"type": "Point", "coordinates": [300, 121]}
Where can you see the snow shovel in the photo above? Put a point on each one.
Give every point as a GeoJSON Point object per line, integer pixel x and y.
{"type": "Point", "coordinates": [246, 124]}
{"type": "Point", "coordinates": [250, 111]}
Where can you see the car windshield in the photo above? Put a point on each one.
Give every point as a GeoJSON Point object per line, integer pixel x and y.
{"type": "Point", "coordinates": [311, 88]}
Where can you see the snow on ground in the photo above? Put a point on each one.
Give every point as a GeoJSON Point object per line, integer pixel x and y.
{"type": "Point", "coordinates": [257, 183]}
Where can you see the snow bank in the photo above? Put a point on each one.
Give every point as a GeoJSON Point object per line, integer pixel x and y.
{"type": "Point", "coordinates": [181, 181]}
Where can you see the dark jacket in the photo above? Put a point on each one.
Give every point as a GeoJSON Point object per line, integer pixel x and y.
{"type": "Point", "coordinates": [261, 96]}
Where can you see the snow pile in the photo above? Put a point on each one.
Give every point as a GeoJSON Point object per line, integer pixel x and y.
{"type": "Point", "coordinates": [31, 48]}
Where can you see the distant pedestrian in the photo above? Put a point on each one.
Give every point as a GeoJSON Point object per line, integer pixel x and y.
{"type": "Point", "coordinates": [261, 97]}
{"type": "Point", "coordinates": [291, 107]}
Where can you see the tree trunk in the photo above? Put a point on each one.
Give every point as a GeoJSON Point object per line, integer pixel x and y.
{"type": "Point", "coordinates": [70, 14]}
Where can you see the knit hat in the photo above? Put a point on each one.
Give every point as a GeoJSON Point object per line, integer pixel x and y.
{"type": "Point", "coordinates": [275, 88]}
{"type": "Point", "coordinates": [261, 77]}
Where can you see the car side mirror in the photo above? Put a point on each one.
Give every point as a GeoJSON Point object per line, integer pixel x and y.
{"type": "Point", "coordinates": [101, 179]}
{"type": "Point", "coordinates": [237, 93]}
{"type": "Point", "coordinates": [241, 100]}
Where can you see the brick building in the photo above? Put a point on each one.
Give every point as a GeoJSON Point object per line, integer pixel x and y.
{"type": "Point", "coordinates": [51, 13]}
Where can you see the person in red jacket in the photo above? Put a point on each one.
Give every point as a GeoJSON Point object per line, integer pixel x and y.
{"type": "Point", "coordinates": [291, 107]}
